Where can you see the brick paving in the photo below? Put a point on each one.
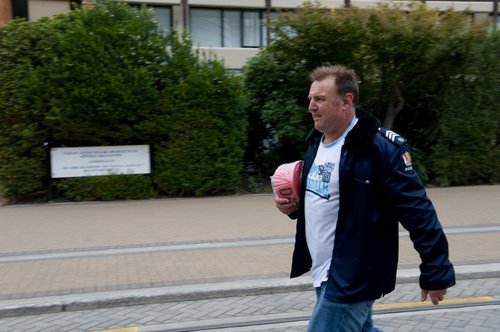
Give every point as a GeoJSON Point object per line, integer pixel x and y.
{"type": "Point", "coordinates": [46, 228]}
{"type": "Point", "coordinates": [61, 228]}
{"type": "Point", "coordinates": [168, 316]}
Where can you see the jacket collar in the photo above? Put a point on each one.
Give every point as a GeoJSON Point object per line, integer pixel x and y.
{"type": "Point", "coordinates": [361, 135]}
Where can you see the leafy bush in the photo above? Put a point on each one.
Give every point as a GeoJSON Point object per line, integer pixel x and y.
{"type": "Point", "coordinates": [106, 188]}
{"type": "Point", "coordinates": [24, 49]}
{"type": "Point", "coordinates": [108, 76]}
{"type": "Point", "coordinates": [467, 150]}
{"type": "Point", "coordinates": [407, 62]}
{"type": "Point", "coordinates": [203, 154]}
{"type": "Point", "coordinates": [85, 78]}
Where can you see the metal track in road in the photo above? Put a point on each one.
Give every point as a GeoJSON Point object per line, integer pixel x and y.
{"type": "Point", "coordinates": [238, 243]}
{"type": "Point", "coordinates": [281, 320]}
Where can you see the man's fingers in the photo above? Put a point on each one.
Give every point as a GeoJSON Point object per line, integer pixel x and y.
{"type": "Point", "coordinates": [285, 205]}
{"type": "Point", "coordinates": [435, 295]}
{"type": "Point", "coordinates": [436, 298]}
{"type": "Point", "coordinates": [281, 200]}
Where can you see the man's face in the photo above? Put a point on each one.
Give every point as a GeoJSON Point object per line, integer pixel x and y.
{"type": "Point", "coordinates": [327, 108]}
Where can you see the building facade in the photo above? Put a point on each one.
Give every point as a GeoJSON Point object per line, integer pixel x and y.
{"type": "Point", "coordinates": [232, 29]}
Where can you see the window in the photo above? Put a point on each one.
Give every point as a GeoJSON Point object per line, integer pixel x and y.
{"type": "Point", "coordinates": [206, 27]}
{"type": "Point", "coordinates": [19, 9]}
{"type": "Point", "coordinates": [267, 34]}
{"type": "Point", "coordinates": [252, 29]}
{"type": "Point", "coordinates": [163, 16]}
{"type": "Point", "coordinates": [226, 28]}
{"type": "Point", "coordinates": [495, 21]}
{"type": "Point", "coordinates": [232, 28]}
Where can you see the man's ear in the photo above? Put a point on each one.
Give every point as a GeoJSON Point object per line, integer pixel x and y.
{"type": "Point", "coordinates": [348, 100]}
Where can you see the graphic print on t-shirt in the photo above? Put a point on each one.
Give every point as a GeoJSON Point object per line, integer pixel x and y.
{"type": "Point", "coordinates": [319, 178]}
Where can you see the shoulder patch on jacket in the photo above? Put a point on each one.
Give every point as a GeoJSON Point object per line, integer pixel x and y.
{"type": "Point", "coordinates": [392, 136]}
{"type": "Point", "coordinates": [407, 164]}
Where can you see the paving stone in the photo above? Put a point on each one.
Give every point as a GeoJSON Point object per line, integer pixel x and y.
{"type": "Point", "coordinates": [84, 227]}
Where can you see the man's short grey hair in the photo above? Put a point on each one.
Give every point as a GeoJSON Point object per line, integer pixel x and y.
{"type": "Point", "coordinates": [345, 79]}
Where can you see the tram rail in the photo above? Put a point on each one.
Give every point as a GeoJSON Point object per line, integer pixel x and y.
{"type": "Point", "coordinates": [279, 320]}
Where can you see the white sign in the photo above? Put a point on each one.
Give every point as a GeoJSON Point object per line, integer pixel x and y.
{"type": "Point", "coordinates": [99, 160]}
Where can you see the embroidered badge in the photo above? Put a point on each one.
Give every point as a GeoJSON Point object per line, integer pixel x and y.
{"type": "Point", "coordinates": [407, 161]}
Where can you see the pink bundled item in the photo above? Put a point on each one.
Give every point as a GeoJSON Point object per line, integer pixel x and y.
{"type": "Point", "coordinates": [286, 180]}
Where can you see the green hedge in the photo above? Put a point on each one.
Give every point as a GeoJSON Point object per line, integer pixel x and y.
{"type": "Point", "coordinates": [106, 76]}
{"type": "Point", "coordinates": [106, 188]}
{"type": "Point", "coordinates": [431, 76]}
{"type": "Point", "coordinates": [194, 161]}
{"type": "Point", "coordinates": [467, 146]}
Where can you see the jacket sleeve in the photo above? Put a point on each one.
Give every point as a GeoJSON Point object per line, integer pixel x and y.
{"type": "Point", "coordinates": [407, 198]}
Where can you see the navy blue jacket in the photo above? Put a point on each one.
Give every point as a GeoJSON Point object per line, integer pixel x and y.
{"type": "Point", "coordinates": [378, 189]}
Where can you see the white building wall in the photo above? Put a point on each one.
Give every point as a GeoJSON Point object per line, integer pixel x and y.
{"type": "Point", "coordinates": [235, 58]}
{"type": "Point", "coordinates": [46, 8]}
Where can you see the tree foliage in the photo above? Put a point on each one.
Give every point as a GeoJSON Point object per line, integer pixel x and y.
{"type": "Point", "coordinates": [406, 60]}
{"type": "Point", "coordinates": [206, 123]}
{"type": "Point", "coordinates": [108, 76]}
{"type": "Point", "coordinates": [467, 149]}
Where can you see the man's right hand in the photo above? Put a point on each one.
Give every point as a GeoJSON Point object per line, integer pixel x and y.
{"type": "Point", "coordinates": [286, 205]}
{"type": "Point", "coordinates": [435, 295]}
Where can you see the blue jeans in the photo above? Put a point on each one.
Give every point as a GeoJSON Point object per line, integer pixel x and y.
{"type": "Point", "coordinates": [330, 316]}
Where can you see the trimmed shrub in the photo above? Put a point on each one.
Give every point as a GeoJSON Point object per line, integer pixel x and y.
{"type": "Point", "coordinates": [25, 47]}
{"type": "Point", "coordinates": [467, 150]}
{"type": "Point", "coordinates": [106, 187]}
{"type": "Point", "coordinates": [85, 78]}
{"type": "Point", "coordinates": [207, 126]}
{"type": "Point", "coordinates": [106, 76]}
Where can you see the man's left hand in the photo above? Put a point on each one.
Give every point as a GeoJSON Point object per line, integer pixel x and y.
{"type": "Point", "coordinates": [435, 295]}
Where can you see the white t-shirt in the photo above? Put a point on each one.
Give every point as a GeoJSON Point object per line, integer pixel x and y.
{"type": "Point", "coordinates": [322, 206]}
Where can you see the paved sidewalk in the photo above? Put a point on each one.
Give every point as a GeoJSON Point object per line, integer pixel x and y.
{"type": "Point", "coordinates": [472, 305]}
{"type": "Point", "coordinates": [98, 252]}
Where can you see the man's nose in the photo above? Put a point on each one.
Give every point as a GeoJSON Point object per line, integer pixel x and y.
{"type": "Point", "coordinates": [312, 106]}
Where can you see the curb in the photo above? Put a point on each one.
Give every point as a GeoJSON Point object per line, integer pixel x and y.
{"type": "Point", "coordinates": [90, 301]}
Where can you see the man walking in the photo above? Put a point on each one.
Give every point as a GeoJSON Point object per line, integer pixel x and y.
{"type": "Point", "coordinates": [358, 182]}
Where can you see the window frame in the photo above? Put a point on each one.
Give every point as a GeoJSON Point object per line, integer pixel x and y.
{"type": "Point", "coordinates": [241, 11]}
{"type": "Point", "coordinates": [152, 7]}
{"type": "Point", "coordinates": [171, 18]}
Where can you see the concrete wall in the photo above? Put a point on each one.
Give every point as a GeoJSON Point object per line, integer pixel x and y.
{"type": "Point", "coordinates": [234, 58]}
{"type": "Point", "coordinates": [46, 8]}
